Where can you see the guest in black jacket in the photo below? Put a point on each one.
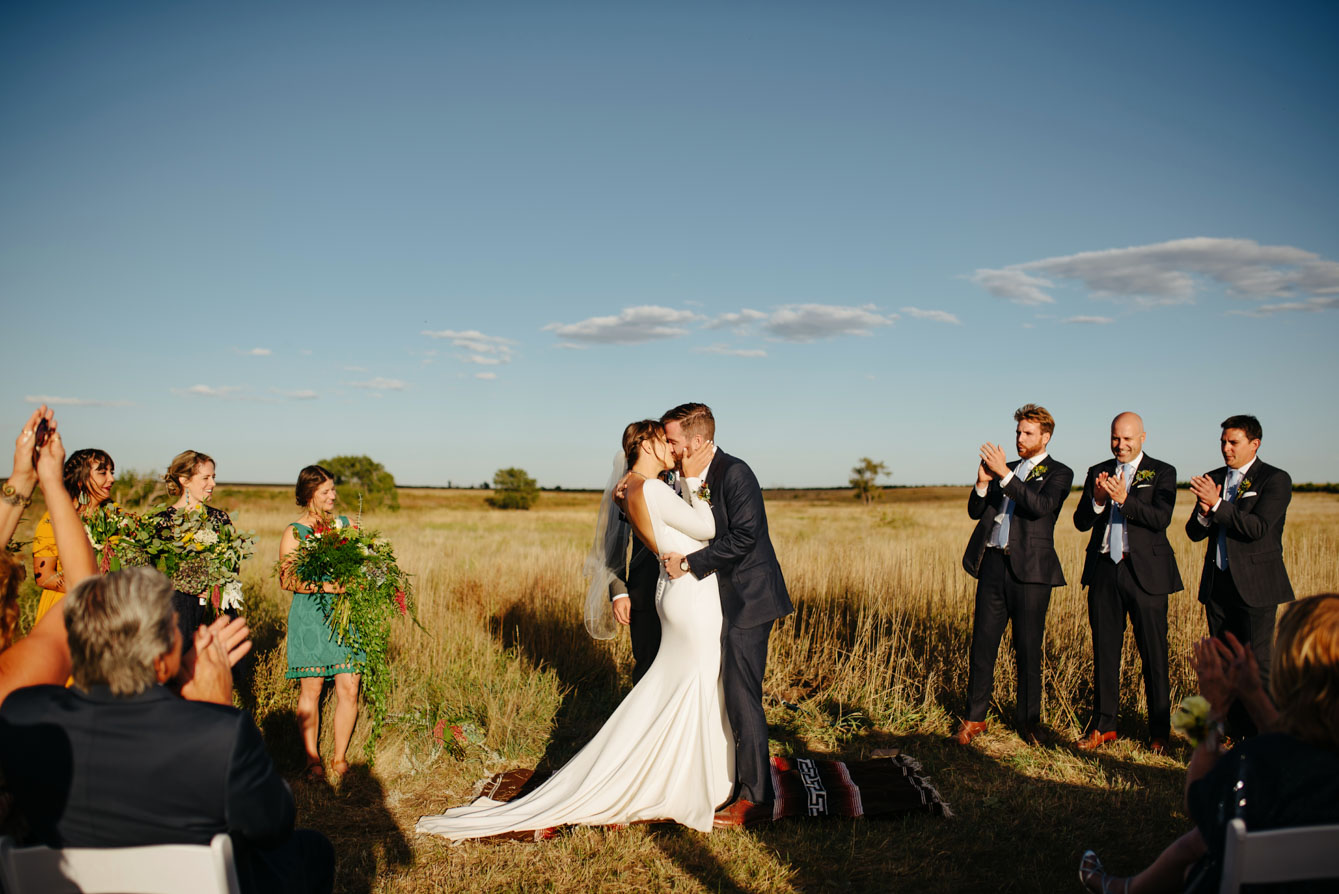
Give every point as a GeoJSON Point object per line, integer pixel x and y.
{"type": "Point", "coordinates": [1130, 570]}
{"type": "Point", "coordinates": [1011, 554]}
{"type": "Point", "coordinates": [120, 760]}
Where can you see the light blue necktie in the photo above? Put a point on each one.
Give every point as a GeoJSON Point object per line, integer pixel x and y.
{"type": "Point", "coordinates": [1021, 474]}
{"type": "Point", "coordinates": [1116, 531]}
{"type": "Point", "coordinates": [1229, 496]}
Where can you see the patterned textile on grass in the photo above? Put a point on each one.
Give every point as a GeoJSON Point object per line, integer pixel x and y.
{"type": "Point", "coordinates": [806, 787]}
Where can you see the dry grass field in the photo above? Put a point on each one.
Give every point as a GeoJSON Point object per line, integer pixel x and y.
{"type": "Point", "coordinates": [875, 656]}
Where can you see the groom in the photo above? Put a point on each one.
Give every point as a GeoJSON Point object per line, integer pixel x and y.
{"type": "Point", "coordinates": [753, 595]}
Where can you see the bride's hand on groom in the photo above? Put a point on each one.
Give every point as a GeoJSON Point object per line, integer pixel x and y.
{"type": "Point", "coordinates": [621, 491]}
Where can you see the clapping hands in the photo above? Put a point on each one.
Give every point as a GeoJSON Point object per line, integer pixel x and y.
{"type": "Point", "coordinates": [206, 671]}
{"type": "Point", "coordinates": [994, 463]}
{"type": "Point", "coordinates": [1206, 492]}
{"type": "Point", "coordinates": [1227, 671]}
{"type": "Point", "coordinates": [1109, 487]}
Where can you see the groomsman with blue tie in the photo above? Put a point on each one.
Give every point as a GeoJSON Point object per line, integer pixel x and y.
{"type": "Point", "coordinates": [1130, 569]}
{"type": "Point", "coordinates": [1240, 512]}
{"type": "Point", "coordinates": [1012, 556]}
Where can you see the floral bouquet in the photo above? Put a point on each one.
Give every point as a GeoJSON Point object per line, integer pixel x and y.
{"type": "Point", "coordinates": [114, 534]}
{"type": "Point", "coordinates": [375, 591]}
{"type": "Point", "coordinates": [199, 554]}
{"type": "Point", "coordinates": [1191, 718]}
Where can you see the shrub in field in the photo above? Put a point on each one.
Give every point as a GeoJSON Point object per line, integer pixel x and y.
{"type": "Point", "coordinates": [134, 489]}
{"type": "Point", "coordinates": [513, 489]}
{"type": "Point", "coordinates": [356, 475]}
{"type": "Point", "coordinates": [864, 478]}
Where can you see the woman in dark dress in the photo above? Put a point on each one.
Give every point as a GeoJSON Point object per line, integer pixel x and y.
{"type": "Point", "coordinates": [1286, 777]}
{"type": "Point", "coordinates": [190, 478]}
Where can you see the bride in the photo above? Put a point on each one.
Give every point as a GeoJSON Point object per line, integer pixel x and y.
{"type": "Point", "coordinates": [667, 751]}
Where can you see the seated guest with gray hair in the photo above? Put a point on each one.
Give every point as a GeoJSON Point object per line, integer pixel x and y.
{"type": "Point", "coordinates": [121, 760]}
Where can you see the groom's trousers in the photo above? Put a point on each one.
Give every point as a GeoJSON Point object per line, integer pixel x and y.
{"type": "Point", "coordinates": [744, 659]}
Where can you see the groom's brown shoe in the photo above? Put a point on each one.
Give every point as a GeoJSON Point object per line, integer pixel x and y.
{"type": "Point", "coordinates": [743, 813]}
{"type": "Point", "coordinates": [969, 730]}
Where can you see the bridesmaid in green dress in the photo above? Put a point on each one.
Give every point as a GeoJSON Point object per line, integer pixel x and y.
{"type": "Point", "coordinates": [313, 655]}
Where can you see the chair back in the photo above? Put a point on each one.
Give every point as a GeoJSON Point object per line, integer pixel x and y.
{"type": "Point", "coordinates": [151, 869]}
{"type": "Point", "coordinates": [1278, 855]}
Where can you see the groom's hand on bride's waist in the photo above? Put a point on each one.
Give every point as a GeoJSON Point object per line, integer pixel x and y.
{"type": "Point", "coordinates": [673, 563]}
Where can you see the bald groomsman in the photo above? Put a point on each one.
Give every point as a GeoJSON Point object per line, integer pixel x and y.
{"type": "Point", "coordinates": [1240, 513]}
{"type": "Point", "coordinates": [1012, 556]}
{"type": "Point", "coordinates": [1130, 570]}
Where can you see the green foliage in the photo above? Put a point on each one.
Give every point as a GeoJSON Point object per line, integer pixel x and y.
{"type": "Point", "coordinates": [513, 489]}
{"type": "Point", "coordinates": [355, 475]}
{"type": "Point", "coordinates": [864, 478]}
{"type": "Point", "coordinates": [133, 490]}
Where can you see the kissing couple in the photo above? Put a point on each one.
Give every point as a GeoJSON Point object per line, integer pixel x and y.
{"type": "Point", "coordinates": [689, 742]}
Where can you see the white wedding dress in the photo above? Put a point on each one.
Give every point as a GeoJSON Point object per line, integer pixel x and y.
{"type": "Point", "coordinates": [667, 752]}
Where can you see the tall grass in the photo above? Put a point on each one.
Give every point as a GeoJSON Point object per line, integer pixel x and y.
{"type": "Point", "coordinates": [874, 656]}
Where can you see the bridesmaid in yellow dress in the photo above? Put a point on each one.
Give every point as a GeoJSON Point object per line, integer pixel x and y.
{"type": "Point", "coordinates": [89, 475]}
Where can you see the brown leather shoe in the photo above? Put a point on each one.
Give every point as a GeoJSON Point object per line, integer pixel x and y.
{"type": "Point", "coordinates": [1158, 746]}
{"type": "Point", "coordinates": [743, 813]}
{"type": "Point", "coordinates": [969, 730]}
{"type": "Point", "coordinates": [1095, 739]}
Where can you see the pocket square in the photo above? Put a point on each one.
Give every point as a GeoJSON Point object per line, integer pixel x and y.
{"type": "Point", "coordinates": [1140, 486]}
{"type": "Point", "coordinates": [1245, 495]}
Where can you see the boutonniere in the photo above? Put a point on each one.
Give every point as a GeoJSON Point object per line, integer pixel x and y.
{"type": "Point", "coordinates": [703, 493]}
{"type": "Point", "coordinates": [1037, 472]}
{"type": "Point", "coordinates": [1245, 486]}
{"type": "Point", "coordinates": [1144, 475]}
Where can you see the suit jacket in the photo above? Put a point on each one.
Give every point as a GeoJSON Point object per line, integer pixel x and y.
{"type": "Point", "coordinates": [639, 578]}
{"type": "Point", "coordinates": [753, 592]}
{"type": "Point", "coordinates": [1037, 503]}
{"type": "Point", "coordinates": [99, 770]}
{"type": "Point", "coordinates": [1254, 526]}
{"type": "Point", "coordinates": [1147, 511]}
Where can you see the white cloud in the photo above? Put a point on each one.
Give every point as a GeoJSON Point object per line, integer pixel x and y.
{"type": "Point", "coordinates": [211, 390]}
{"type": "Point", "coordinates": [1172, 272]}
{"type": "Point", "coordinates": [738, 321]}
{"type": "Point", "coordinates": [299, 394]}
{"type": "Point", "coordinates": [52, 400]}
{"type": "Point", "coordinates": [569, 346]}
{"type": "Point", "coordinates": [476, 347]}
{"type": "Point", "coordinates": [633, 325]}
{"type": "Point", "coordinates": [259, 352]}
{"type": "Point", "coordinates": [486, 376]}
{"type": "Point", "coordinates": [1090, 321]}
{"type": "Point", "coordinates": [810, 322]}
{"type": "Point", "coordinates": [1311, 305]}
{"type": "Point", "coordinates": [380, 384]}
{"type": "Point", "coordinates": [727, 351]}
{"type": "Point", "coordinates": [938, 316]}
{"type": "Point", "coordinates": [1014, 285]}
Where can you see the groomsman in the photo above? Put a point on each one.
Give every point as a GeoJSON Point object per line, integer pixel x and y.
{"type": "Point", "coordinates": [1130, 569]}
{"type": "Point", "coordinates": [1012, 556]}
{"type": "Point", "coordinates": [1240, 513]}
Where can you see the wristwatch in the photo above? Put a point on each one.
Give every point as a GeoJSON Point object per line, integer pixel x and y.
{"type": "Point", "coordinates": [683, 565]}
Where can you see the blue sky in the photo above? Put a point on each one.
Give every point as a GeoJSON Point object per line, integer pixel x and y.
{"type": "Point", "coordinates": [461, 236]}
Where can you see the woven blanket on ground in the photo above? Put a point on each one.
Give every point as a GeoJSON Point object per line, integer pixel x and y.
{"type": "Point", "coordinates": [805, 787]}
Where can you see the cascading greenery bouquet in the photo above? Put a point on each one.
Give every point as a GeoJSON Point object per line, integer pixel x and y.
{"type": "Point", "coordinates": [375, 591]}
{"type": "Point", "coordinates": [115, 534]}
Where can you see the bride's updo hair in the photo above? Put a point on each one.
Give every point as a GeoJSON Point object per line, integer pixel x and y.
{"type": "Point", "coordinates": [635, 433]}
{"type": "Point", "coordinates": [184, 465]}
{"type": "Point", "coordinates": [309, 479]}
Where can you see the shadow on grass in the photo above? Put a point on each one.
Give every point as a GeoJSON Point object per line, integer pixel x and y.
{"type": "Point", "coordinates": [354, 816]}
{"type": "Point", "coordinates": [589, 676]}
{"type": "Point", "coordinates": [684, 848]}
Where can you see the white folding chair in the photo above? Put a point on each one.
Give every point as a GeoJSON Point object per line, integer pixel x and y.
{"type": "Point", "coordinates": [153, 869]}
{"type": "Point", "coordinates": [1278, 855]}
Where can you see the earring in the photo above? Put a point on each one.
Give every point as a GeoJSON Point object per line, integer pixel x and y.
{"type": "Point", "coordinates": [83, 498]}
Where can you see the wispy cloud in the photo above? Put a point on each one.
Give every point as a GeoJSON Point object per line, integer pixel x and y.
{"type": "Point", "coordinates": [256, 352]}
{"type": "Point", "coordinates": [1090, 321]}
{"type": "Point", "coordinates": [475, 346]}
{"type": "Point", "coordinates": [226, 391]}
{"type": "Point", "coordinates": [1311, 305]}
{"type": "Point", "coordinates": [299, 394]}
{"type": "Point", "coordinates": [811, 322]}
{"type": "Point", "coordinates": [1171, 272]}
{"type": "Point", "coordinates": [486, 376]}
{"type": "Point", "coordinates": [632, 325]}
{"type": "Point", "coordinates": [938, 316]}
{"type": "Point", "coordinates": [727, 351]}
{"type": "Point", "coordinates": [740, 322]}
{"type": "Point", "coordinates": [380, 384]}
{"type": "Point", "coordinates": [52, 400]}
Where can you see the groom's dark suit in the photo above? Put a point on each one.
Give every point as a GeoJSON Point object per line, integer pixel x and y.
{"type": "Point", "coordinates": [753, 596]}
{"type": "Point", "coordinates": [1244, 597]}
{"type": "Point", "coordinates": [1014, 584]}
{"type": "Point", "coordinates": [1138, 586]}
{"type": "Point", "coordinates": [638, 583]}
